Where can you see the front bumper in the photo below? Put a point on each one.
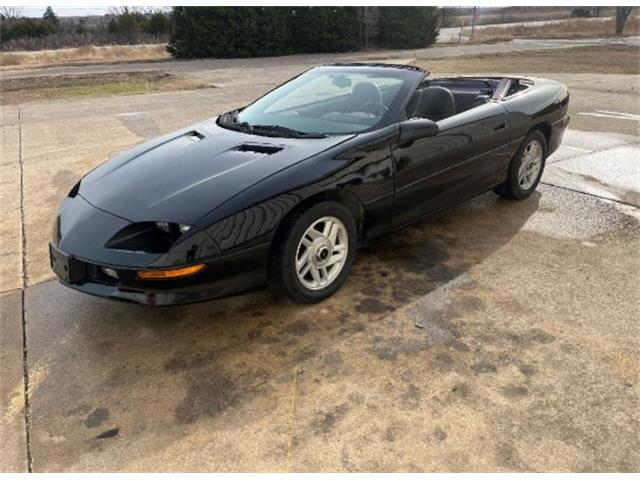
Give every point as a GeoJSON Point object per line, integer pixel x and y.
{"type": "Point", "coordinates": [224, 276]}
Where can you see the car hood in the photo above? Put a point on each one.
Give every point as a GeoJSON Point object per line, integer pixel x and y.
{"type": "Point", "coordinates": [184, 175]}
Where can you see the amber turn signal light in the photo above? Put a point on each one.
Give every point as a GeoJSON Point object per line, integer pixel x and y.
{"type": "Point", "coordinates": [170, 274]}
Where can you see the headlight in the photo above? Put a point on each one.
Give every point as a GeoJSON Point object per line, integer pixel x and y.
{"type": "Point", "coordinates": [148, 237]}
{"type": "Point", "coordinates": [169, 227]}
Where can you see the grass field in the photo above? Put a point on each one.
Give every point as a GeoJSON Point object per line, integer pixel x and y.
{"type": "Point", "coordinates": [512, 17]}
{"type": "Point", "coordinates": [59, 87]}
{"type": "Point", "coordinates": [573, 28]}
{"type": "Point", "coordinates": [90, 54]}
{"type": "Point", "coordinates": [613, 59]}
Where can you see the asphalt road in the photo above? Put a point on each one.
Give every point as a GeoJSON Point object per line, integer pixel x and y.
{"type": "Point", "coordinates": [497, 335]}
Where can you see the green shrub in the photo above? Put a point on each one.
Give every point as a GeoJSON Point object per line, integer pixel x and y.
{"type": "Point", "coordinates": [408, 27]}
{"type": "Point", "coordinates": [227, 32]}
{"type": "Point", "coordinates": [13, 28]}
{"type": "Point", "coordinates": [158, 24]}
{"type": "Point", "coordinates": [323, 29]}
{"type": "Point", "coordinates": [581, 12]}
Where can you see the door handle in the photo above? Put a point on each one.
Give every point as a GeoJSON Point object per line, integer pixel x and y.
{"type": "Point", "coordinates": [499, 125]}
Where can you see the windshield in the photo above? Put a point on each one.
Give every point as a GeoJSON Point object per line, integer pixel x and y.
{"type": "Point", "coordinates": [324, 101]}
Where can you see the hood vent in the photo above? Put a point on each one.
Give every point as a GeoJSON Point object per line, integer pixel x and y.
{"type": "Point", "coordinates": [257, 148]}
{"type": "Point", "coordinates": [194, 136]}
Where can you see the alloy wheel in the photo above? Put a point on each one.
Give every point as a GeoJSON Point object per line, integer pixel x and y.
{"type": "Point", "coordinates": [322, 253]}
{"type": "Point", "coordinates": [530, 165]}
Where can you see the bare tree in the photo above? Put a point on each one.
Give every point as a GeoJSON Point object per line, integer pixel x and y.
{"type": "Point", "coordinates": [622, 13]}
{"type": "Point", "coordinates": [9, 12]}
{"type": "Point", "coordinates": [446, 17]}
{"type": "Point", "coordinates": [51, 18]}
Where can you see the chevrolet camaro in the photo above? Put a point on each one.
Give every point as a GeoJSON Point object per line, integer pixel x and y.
{"type": "Point", "coordinates": [284, 191]}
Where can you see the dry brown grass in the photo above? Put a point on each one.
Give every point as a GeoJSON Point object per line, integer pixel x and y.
{"type": "Point", "coordinates": [512, 17]}
{"type": "Point", "coordinates": [38, 89]}
{"type": "Point", "coordinates": [90, 54]}
{"type": "Point", "coordinates": [611, 59]}
{"type": "Point", "coordinates": [573, 28]}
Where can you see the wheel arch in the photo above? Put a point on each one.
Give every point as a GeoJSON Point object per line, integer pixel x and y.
{"type": "Point", "coordinates": [341, 196]}
{"type": "Point", "coordinates": [544, 128]}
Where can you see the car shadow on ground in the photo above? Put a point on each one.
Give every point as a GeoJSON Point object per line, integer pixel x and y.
{"type": "Point", "coordinates": [113, 365]}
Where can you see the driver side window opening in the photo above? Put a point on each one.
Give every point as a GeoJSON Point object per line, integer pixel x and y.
{"type": "Point", "coordinates": [440, 99]}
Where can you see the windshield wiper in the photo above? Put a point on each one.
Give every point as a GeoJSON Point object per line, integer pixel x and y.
{"type": "Point", "coordinates": [279, 130]}
{"type": "Point", "coordinates": [230, 120]}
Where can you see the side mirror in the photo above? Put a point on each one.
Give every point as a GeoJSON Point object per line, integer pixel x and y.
{"type": "Point", "coordinates": [417, 128]}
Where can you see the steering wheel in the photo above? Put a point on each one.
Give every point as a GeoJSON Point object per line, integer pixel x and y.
{"type": "Point", "coordinates": [374, 108]}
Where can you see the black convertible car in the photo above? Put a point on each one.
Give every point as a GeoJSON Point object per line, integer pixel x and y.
{"type": "Point", "coordinates": [284, 191]}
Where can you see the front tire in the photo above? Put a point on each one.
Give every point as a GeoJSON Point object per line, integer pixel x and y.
{"type": "Point", "coordinates": [526, 167]}
{"type": "Point", "coordinates": [312, 257]}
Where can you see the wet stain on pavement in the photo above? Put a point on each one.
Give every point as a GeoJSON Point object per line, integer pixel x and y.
{"type": "Point", "coordinates": [325, 421]}
{"type": "Point", "coordinates": [231, 363]}
{"type": "Point", "coordinates": [297, 328]}
{"type": "Point", "coordinates": [461, 390]}
{"type": "Point", "coordinates": [507, 456]}
{"type": "Point", "coordinates": [123, 375]}
{"type": "Point", "coordinates": [443, 362]}
{"type": "Point", "coordinates": [140, 124]}
{"type": "Point", "coordinates": [332, 363]}
{"type": "Point", "coordinates": [541, 336]}
{"type": "Point", "coordinates": [484, 367]}
{"type": "Point", "coordinates": [527, 370]}
{"type": "Point", "coordinates": [187, 361]}
{"type": "Point", "coordinates": [63, 181]}
{"type": "Point", "coordinates": [515, 391]}
{"type": "Point", "coordinates": [395, 431]}
{"type": "Point", "coordinates": [81, 409]}
{"type": "Point", "coordinates": [373, 305]}
{"type": "Point", "coordinates": [97, 417]}
{"type": "Point", "coordinates": [410, 398]}
{"type": "Point", "coordinates": [208, 394]}
{"type": "Point", "coordinates": [439, 435]}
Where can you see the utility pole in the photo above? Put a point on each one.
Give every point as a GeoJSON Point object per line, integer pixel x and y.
{"type": "Point", "coordinates": [473, 21]}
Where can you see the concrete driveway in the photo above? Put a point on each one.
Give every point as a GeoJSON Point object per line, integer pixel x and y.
{"type": "Point", "coordinates": [497, 335]}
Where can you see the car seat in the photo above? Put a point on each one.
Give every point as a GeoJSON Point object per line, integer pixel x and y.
{"type": "Point", "coordinates": [434, 103]}
{"type": "Point", "coordinates": [366, 97]}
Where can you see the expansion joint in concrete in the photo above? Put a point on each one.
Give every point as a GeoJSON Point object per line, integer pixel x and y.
{"type": "Point", "coordinates": [25, 364]}
{"type": "Point", "coordinates": [292, 412]}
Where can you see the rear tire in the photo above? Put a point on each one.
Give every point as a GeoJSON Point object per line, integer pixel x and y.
{"type": "Point", "coordinates": [526, 167]}
{"type": "Point", "coordinates": [312, 256]}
